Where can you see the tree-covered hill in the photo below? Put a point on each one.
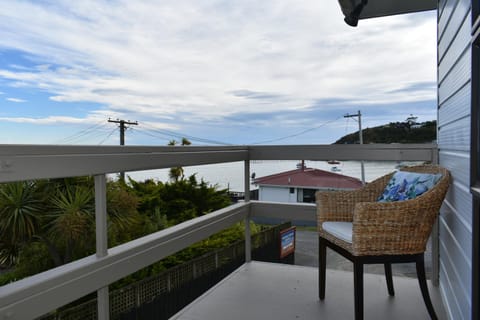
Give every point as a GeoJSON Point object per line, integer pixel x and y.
{"type": "Point", "coordinates": [395, 132]}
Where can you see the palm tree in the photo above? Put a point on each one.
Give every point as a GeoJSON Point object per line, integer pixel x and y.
{"type": "Point", "coordinates": [123, 217]}
{"type": "Point", "coordinates": [177, 173]}
{"type": "Point", "coordinates": [186, 142]}
{"type": "Point", "coordinates": [72, 218]}
{"type": "Point", "coordinates": [19, 218]}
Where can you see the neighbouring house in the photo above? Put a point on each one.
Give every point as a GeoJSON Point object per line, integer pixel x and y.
{"type": "Point", "coordinates": [300, 185]}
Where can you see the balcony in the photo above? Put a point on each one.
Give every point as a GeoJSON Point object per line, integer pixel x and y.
{"type": "Point", "coordinates": [256, 290]}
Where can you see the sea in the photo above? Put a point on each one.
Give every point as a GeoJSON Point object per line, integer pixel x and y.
{"type": "Point", "coordinates": [231, 175]}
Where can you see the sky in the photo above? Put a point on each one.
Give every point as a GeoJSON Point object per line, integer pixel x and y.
{"type": "Point", "coordinates": [218, 72]}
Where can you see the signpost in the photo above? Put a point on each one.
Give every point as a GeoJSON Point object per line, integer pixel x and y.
{"type": "Point", "coordinates": [287, 242]}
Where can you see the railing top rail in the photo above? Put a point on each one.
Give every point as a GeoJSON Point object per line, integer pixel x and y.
{"type": "Point", "coordinates": [367, 152]}
{"type": "Point", "coordinates": [29, 162]}
{"type": "Point", "coordinates": [34, 149]}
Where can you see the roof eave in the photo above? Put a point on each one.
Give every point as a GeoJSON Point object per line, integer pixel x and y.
{"type": "Point", "coordinates": [382, 8]}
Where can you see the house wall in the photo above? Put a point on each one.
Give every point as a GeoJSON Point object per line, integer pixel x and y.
{"type": "Point", "coordinates": [277, 194]}
{"type": "Point", "coordinates": [454, 101]}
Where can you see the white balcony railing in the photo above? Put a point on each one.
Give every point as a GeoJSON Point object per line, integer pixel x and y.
{"type": "Point", "coordinates": [39, 294]}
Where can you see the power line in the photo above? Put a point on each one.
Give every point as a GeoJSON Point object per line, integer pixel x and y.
{"type": "Point", "coordinates": [180, 135]}
{"type": "Point", "coordinates": [147, 133]}
{"type": "Point", "coordinates": [91, 135]}
{"type": "Point", "coordinates": [83, 132]}
{"type": "Point", "coordinates": [298, 133]}
{"type": "Point", "coordinates": [109, 135]}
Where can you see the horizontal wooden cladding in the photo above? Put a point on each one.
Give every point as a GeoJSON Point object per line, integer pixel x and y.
{"type": "Point", "coordinates": [283, 211]}
{"type": "Point", "coordinates": [455, 136]}
{"type": "Point", "coordinates": [453, 308]}
{"type": "Point", "coordinates": [460, 232]}
{"type": "Point", "coordinates": [458, 197]}
{"type": "Point", "coordinates": [39, 162]}
{"type": "Point", "coordinates": [458, 162]}
{"type": "Point", "coordinates": [457, 77]}
{"type": "Point", "coordinates": [450, 22]}
{"type": "Point", "coordinates": [457, 107]}
{"type": "Point", "coordinates": [39, 294]}
{"type": "Point", "coordinates": [460, 43]}
{"type": "Point", "coordinates": [445, 8]}
{"type": "Point", "coordinates": [368, 152]}
{"type": "Point", "coordinates": [441, 7]}
{"type": "Point", "coordinates": [458, 283]}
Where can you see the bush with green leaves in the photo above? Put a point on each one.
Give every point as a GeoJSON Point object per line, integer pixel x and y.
{"type": "Point", "coordinates": [47, 223]}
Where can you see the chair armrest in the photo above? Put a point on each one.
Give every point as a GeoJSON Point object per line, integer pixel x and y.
{"type": "Point", "coordinates": [400, 227]}
{"type": "Point", "coordinates": [339, 205]}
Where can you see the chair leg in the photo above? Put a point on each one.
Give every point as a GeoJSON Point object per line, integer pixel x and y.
{"type": "Point", "coordinates": [322, 266]}
{"type": "Point", "coordinates": [420, 264]}
{"type": "Point", "coordinates": [388, 276]}
{"type": "Point", "coordinates": [358, 289]}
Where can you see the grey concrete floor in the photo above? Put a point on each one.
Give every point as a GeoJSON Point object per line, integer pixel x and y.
{"type": "Point", "coordinates": [260, 290]}
{"type": "Point", "coordinates": [306, 254]}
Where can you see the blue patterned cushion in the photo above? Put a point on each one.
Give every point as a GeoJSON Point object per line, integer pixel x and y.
{"type": "Point", "coordinates": [408, 185]}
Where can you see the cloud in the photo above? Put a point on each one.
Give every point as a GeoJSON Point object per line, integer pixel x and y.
{"type": "Point", "coordinates": [46, 120]}
{"type": "Point", "coordinates": [214, 59]}
{"type": "Point", "coordinates": [17, 100]}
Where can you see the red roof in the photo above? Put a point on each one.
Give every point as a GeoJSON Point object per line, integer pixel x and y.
{"type": "Point", "coordinates": [309, 177]}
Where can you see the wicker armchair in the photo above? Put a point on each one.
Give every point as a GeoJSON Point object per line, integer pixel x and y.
{"type": "Point", "coordinates": [380, 232]}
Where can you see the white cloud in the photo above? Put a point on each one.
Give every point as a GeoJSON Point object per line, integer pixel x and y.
{"type": "Point", "coordinates": [168, 57]}
{"type": "Point", "coordinates": [47, 120]}
{"type": "Point", "coordinates": [17, 100]}
{"type": "Point", "coordinates": [97, 117]}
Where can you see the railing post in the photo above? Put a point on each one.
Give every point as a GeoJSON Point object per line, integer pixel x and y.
{"type": "Point", "coordinates": [248, 236]}
{"type": "Point", "coordinates": [101, 240]}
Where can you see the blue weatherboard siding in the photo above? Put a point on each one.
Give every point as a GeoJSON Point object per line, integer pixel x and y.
{"type": "Point", "coordinates": [454, 75]}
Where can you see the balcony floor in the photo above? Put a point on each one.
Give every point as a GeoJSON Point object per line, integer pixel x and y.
{"type": "Point", "coordinates": [260, 290]}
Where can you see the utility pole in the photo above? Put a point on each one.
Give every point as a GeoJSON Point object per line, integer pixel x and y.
{"type": "Point", "coordinates": [123, 127]}
{"type": "Point", "coordinates": [359, 116]}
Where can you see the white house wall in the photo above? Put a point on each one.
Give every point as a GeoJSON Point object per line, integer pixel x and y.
{"type": "Point", "coordinates": [277, 194]}
{"type": "Point", "coordinates": [454, 100]}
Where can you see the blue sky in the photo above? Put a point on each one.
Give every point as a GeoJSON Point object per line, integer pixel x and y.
{"type": "Point", "coordinates": [233, 72]}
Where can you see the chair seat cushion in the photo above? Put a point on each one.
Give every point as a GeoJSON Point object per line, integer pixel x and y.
{"type": "Point", "coordinates": [408, 185]}
{"type": "Point", "coordinates": [341, 230]}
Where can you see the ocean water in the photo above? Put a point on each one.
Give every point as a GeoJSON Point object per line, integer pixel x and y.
{"type": "Point", "coordinates": [231, 175]}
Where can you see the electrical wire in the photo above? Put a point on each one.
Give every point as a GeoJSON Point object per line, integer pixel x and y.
{"type": "Point", "coordinates": [92, 135]}
{"type": "Point", "coordinates": [298, 133]}
{"type": "Point", "coordinates": [101, 142]}
{"type": "Point", "coordinates": [179, 135]}
{"type": "Point", "coordinates": [151, 135]}
{"type": "Point", "coordinates": [167, 135]}
{"type": "Point", "coordinates": [83, 132]}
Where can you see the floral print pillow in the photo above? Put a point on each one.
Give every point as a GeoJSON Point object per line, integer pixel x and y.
{"type": "Point", "coordinates": [408, 185]}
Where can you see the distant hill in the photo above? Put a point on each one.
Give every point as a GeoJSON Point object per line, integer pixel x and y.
{"type": "Point", "coordinates": [395, 132]}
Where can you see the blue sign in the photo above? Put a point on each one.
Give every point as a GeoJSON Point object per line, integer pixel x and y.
{"type": "Point", "coordinates": [287, 242]}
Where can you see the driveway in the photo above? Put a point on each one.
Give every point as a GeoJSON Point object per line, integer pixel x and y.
{"type": "Point", "coordinates": [306, 254]}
